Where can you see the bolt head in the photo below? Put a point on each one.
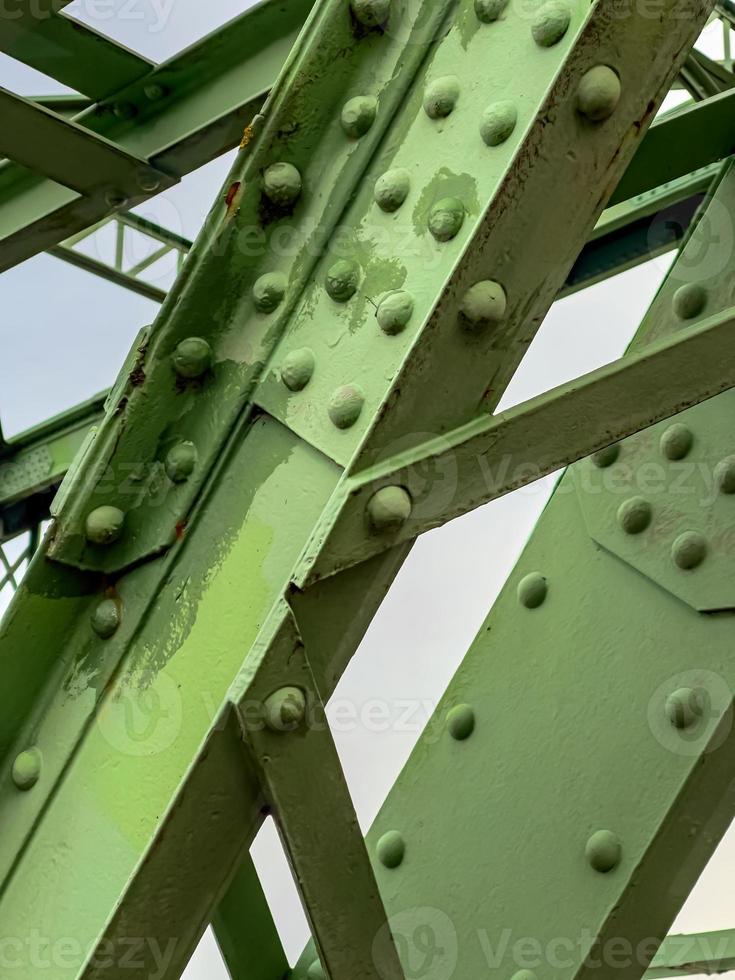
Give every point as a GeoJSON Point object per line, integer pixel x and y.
{"type": "Point", "coordinates": [268, 291]}
{"type": "Point", "coordinates": [634, 515]}
{"type": "Point", "coordinates": [689, 300]}
{"type": "Point", "coordinates": [676, 441]}
{"type": "Point", "coordinates": [104, 525]}
{"type": "Point", "coordinates": [394, 311]}
{"type": "Point", "coordinates": [498, 122]}
{"type": "Point", "coordinates": [389, 508]}
{"type": "Point", "coordinates": [551, 23]}
{"type": "Point", "coordinates": [345, 406]}
{"type": "Point", "coordinates": [390, 849]}
{"type": "Point", "coordinates": [370, 13]}
{"type": "Point", "coordinates": [297, 368]}
{"type": "Point", "coordinates": [689, 550]}
{"type": "Point", "coordinates": [391, 189]}
{"type": "Point", "coordinates": [603, 850]}
{"type": "Point", "coordinates": [342, 280]}
{"type": "Point", "coordinates": [489, 10]}
{"type": "Point", "coordinates": [106, 618]}
{"type": "Point", "coordinates": [27, 768]}
{"type": "Point", "coordinates": [441, 96]}
{"type": "Point", "coordinates": [358, 115]}
{"type": "Point", "coordinates": [483, 305]}
{"type": "Point", "coordinates": [446, 218]}
{"type": "Point", "coordinates": [282, 184]}
{"type": "Point", "coordinates": [285, 709]}
{"type": "Point", "coordinates": [598, 93]}
{"type": "Point", "coordinates": [192, 357]}
{"type": "Point", "coordinates": [460, 721]}
{"type": "Point", "coordinates": [180, 461]}
{"type": "Point", "coordinates": [683, 707]}
{"type": "Point", "coordinates": [532, 590]}
{"type": "Point", "coordinates": [725, 475]}
{"type": "Point", "coordinates": [607, 456]}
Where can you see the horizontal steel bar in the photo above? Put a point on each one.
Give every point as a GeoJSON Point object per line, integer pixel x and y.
{"type": "Point", "coordinates": [73, 156]}
{"type": "Point", "coordinates": [185, 113]}
{"type": "Point", "coordinates": [704, 952]}
{"type": "Point", "coordinates": [108, 272]}
{"type": "Point", "coordinates": [682, 141]}
{"type": "Point", "coordinates": [71, 52]}
{"type": "Point", "coordinates": [493, 455]}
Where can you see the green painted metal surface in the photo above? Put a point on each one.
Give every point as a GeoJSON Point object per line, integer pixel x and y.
{"type": "Point", "coordinates": [319, 327]}
{"type": "Point", "coordinates": [588, 686]}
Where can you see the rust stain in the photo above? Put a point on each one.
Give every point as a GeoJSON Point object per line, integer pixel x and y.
{"type": "Point", "coordinates": [232, 194]}
{"type": "Point", "coordinates": [179, 529]}
{"type": "Point", "coordinates": [246, 136]}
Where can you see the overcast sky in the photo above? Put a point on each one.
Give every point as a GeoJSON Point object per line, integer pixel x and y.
{"type": "Point", "coordinates": [65, 341]}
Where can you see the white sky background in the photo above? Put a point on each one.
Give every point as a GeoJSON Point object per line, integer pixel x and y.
{"type": "Point", "coordinates": [65, 333]}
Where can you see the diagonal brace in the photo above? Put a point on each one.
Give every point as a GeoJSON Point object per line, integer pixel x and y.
{"type": "Point", "coordinates": [448, 476]}
{"type": "Point", "coordinates": [287, 734]}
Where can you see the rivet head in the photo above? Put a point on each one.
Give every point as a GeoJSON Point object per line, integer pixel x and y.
{"type": "Point", "coordinates": [523, 975]}
{"type": "Point", "coordinates": [282, 184]}
{"type": "Point", "coordinates": [180, 461]}
{"type": "Point", "coordinates": [441, 96]}
{"type": "Point", "coordinates": [285, 709]}
{"type": "Point", "coordinates": [297, 368]}
{"type": "Point", "coordinates": [358, 115]}
{"type": "Point", "coordinates": [106, 618]}
{"type": "Point", "coordinates": [532, 590]}
{"type": "Point", "coordinates": [689, 300]}
{"type": "Point", "coordinates": [148, 181]}
{"type": "Point", "coordinates": [394, 311]}
{"type": "Point", "coordinates": [268, 291]}
{"type": "Point", "coordinates": [603, 850]}
{"type": "Point", "coordinates": [498, 122]}
{"type": "Point", "coordinates": [316, 971]}
{"type": "Point", "coordinates": [551, 23]}
{"type": "Point", "coordinates": [607, 456]}
{"type": "Point", "coordinates": [683, 707]}
{"type": "Point", "coordinates": [725, 475]}
{"type": "Point", "coordinates": [104, 525]}
{"type": "Point", "coordinates": [115, 199]}
{"type": "Point", "coordinates": [390, 849]}
{"type": "Point", "coordinates": [676, 441]}
{"type": "Point", "coordinates": [342, 280]}
{"type": "Point", "coordinates": [370, 13]}
{"type": "Point", "coordinates": [598, 93]}
{"type": "Point", "coordinates": [389, 508]}
{"type": "Point", "coordinates": [345, 406]}
{"type": "Point", "coordinates": [154, 91]}
{"type": "Point", "coordinates": [391, 189]}
{"type": "Point", "coordinates": [125, 110]}
{"type": "Point", "coordinates": [27, 768]}
{"type": "Point", "coordinates": [483, 305]}
{"type": "Point", "coordinates": [634, 515]}
{"type": "Point", "coordinates": [460, 721]}
{"type": "Point", "coordinates": [192, 357]}
{"type": "Point", "coordinates": [445, 218]}
{"type": "Point", "coordinates": [489, 10]}
{"type": "Point", "coordinates": [689, 550]}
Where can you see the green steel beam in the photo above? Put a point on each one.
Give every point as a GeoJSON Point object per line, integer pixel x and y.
{"type": "Point", "coordinates": [68, 154]}
{"type": "Point", "coordinates": [704, 952]}
{"type": "Point", "coordinates": [220, 451]}
{"type": "Point", "coordinates": [180, 116]}
{"type": "Point", "coordinates": [36, 462]}
{"type": "Point", "coordinates": [681, 142]}
{"type": "Point", "coordinates": [594, 681]}
{"type": "Point", "coordinates": [385, 505]}
{"type": "Point", "coordinates": [40, 36]}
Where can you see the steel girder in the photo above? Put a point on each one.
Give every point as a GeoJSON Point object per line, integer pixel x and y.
{"type": "Point", "coordinates": [266, 382]}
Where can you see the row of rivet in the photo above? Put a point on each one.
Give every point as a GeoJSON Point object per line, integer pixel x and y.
{"type": "Point", "coordinates": [484, 304]}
